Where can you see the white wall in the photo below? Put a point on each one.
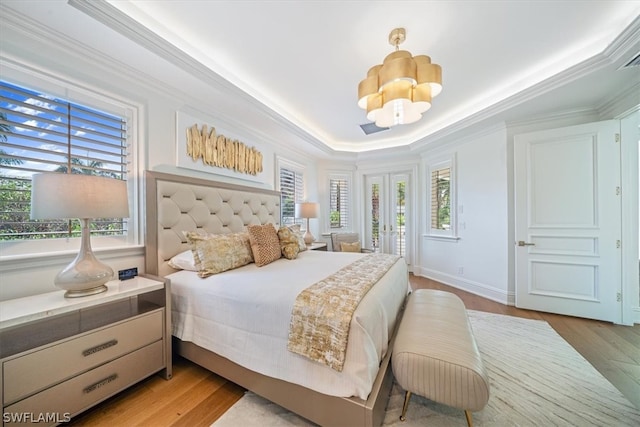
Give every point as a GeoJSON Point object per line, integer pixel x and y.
{"type": "Point", "coordinates": [477, 261]}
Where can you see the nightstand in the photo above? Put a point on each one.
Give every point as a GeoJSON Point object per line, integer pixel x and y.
{"type": "Point", "coordinates": [60, 356]}
{"type": "Point", "coordinates": [317, 246]}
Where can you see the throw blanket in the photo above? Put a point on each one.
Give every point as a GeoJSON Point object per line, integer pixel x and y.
{"type": "Point", "coordinates": [322, 313]}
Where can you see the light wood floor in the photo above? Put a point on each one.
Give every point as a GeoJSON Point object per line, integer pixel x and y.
{"type": "Point", "coordinates": [196, 397]}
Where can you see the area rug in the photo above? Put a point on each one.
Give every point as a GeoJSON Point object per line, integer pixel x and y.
{"type": "Point", "coordinates": [537, 379]}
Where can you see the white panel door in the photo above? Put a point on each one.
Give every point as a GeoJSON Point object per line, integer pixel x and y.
{"type": "Point", "coordinates": [568, 221]}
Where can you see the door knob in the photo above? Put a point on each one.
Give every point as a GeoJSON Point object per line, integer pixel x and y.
{"type": "Point", "coordinates": [523, 243]}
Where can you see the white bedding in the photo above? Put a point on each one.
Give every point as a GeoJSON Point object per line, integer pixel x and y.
{"type": "Point", "coordinates": [244, 314]}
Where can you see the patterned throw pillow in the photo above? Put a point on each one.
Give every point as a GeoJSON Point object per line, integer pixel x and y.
{"type": "Point", "coordinates": [288, 243]}
{"type": "Point", "coordinates": [296, 229]}
{"type": "Point", "coordinates": [350, 247]}
{"type": "Point", "coordinates": [215, 253]}
{"type": "Point", "coordinates": [265, 244]}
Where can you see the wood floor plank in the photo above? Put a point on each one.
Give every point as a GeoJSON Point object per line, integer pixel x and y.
{"type": "Point", "coordinates": [211, 408]}
{"type": "Point", "coordinates": [172, 410]}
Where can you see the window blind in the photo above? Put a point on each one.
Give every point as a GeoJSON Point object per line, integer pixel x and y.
{"type": "Point", "coordinates": [42, 133]}
{"type": "Point", "coordinates": [440, 199]}
{"type": "Point", "coordinates": [339, 209]}
{"type": "Point", "coordinates": [291, 192]}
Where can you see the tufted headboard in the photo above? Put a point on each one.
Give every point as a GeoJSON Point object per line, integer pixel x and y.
{"type": "Point", "coordinates": [175, 204]}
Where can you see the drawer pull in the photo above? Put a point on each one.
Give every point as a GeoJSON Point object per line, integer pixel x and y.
{"type": "Point", "coordinates": [100, 383]}
{"type": "Point", "coordinates": [92, 350]}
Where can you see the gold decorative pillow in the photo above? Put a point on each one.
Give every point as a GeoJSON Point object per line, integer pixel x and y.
{"type": "Point", "coordinates": [300, 235]}
{"type": "Point", "coordinates": [288, 243]}
{"type": "Point", "coordinates": [215, 253]}
{"type": "Point", "coordinates": [265, 244]}
{"type": "Point", "coordinates": [350, 247]}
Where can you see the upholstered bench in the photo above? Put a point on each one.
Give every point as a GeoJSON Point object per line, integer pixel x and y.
{"type": "Point", "coordinates": [435, 354]}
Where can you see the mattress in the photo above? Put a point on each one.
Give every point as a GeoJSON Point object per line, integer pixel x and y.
{"type": "Point", "coordinates": [244, 315]}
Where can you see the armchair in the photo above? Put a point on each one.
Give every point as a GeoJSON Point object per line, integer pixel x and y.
{"type": "Point", "coordinates": [351, 241]}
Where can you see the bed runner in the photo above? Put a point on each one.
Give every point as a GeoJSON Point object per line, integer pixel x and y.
{"type": "Point", "coordinates": [322, 313]}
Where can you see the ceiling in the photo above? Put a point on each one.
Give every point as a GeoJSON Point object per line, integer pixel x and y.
{"type": "Point", "coordinates": [303, 60]}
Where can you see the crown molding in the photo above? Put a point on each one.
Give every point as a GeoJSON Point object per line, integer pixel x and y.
{"type": "Point", "coordinates": [29, 29]}
{"type": "Point", "coordinates": [622, 103]}
{"type": "Point", "coordinates": [622, 44]}
{"type": "Point", "coordinates": [120, 22]}
{"type": "Point", "coordinates": [625, 42]}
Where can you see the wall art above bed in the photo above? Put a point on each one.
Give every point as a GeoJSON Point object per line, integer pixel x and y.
{"type": "Point", "coordinates": [218, 150]}
{"type": "Point", "coordinates": [203, 147]}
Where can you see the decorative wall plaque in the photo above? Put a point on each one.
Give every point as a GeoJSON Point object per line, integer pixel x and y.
{"type": "Point", "coordinates": [220, 151]}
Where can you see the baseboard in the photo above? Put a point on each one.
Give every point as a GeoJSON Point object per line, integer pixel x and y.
{"type": "Point", "coordinates": [471, 286]}
{"type": "Point", "coordinates": [484, 290]}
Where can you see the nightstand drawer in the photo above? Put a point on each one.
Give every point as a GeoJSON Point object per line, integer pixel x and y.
{"type": "Point", "coordinates": [28, 374]}
{"type": "Point", "coordinates": [79, 393]}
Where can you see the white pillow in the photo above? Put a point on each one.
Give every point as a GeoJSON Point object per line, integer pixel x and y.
{"type": "Point", "coordinates": [183, 261]}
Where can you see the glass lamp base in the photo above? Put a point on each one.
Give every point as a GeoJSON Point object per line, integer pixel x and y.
{"type": "Point", "coordinates": [86, 275]}
{"type": "Point", "coordinates": [308, 238]}
{"type": "Point", "coordinates": [85, 292]}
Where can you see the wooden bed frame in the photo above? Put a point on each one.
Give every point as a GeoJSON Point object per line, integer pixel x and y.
{"type": "Point", "coordinates": [173, 204]}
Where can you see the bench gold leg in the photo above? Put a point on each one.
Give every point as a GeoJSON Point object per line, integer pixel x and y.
{"type": "Point", "coordinates": [468, 415]}
{"type": "Point", "coordinates": [407, 397]}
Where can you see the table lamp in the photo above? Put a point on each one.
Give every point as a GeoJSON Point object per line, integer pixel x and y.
{"type": "Point", "coordinates": [307, 210]}
{"type": "Point", "coordinates": [82, 197]}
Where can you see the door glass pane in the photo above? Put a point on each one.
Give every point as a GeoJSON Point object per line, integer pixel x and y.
{"type": "Point", "coordinates": [375, 217]}
{"type": "Point", "coordinates": [400, 219]}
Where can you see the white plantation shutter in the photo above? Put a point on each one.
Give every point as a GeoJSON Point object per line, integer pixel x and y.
{"type": "Point", "coordinates": [291, 192]}
{"type": "Point", "coordinates": [339, 202]}
{"type": "Point", "coordinates": [440, 199]}
{"type": "Point", "coordinates": [42, 133]}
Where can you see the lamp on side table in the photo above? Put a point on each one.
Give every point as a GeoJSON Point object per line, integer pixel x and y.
{"type": "Point", "coordinates": [70, 196]}
{"type": "Point", "coordinates": [307, 210]}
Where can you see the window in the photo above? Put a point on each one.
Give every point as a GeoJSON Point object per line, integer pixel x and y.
{"type": "Point", "coordinates": [441, 199]}
{"type": "Point", "coordinates": [339, 205]}
{"type": "Point", "coordinates": [442, 204]}
{"type": "Point", "coordinates": [42, 133]}
{"type": "Point", "coordinates": [291, 182]}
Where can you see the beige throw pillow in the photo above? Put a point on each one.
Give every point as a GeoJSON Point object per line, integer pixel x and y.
{"type": "Point", "coordinates": [350, 247]}
{"type": "Point", "coordinates": [265, 244]}
{"type": "Point", "coordinates": [215, 253]}
{"type": "Point", "coordinates": [288, 243]}
{"type": "Point", "coordinates": [296, 229]}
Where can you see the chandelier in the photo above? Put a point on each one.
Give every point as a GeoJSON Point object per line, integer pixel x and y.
{"type": "Point", "coordinates": [400, 89]}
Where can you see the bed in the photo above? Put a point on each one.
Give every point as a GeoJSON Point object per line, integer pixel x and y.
{"type": "Point", "coordinates": [214, 323]}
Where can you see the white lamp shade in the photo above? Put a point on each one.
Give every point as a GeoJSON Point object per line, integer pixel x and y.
{"type": "Point", "coordinates": [62, 195]}
{"type": "Point", "coordinates": [307, 210]}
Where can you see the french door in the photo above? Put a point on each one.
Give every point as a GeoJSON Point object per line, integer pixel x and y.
{"type": "Point", "coordinates": [386, 215]}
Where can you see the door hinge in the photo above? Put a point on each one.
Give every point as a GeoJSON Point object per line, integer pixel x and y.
{"type": "Point", "coordinates": [617, 137]}
{"type": "Point", "coordinates": [618, 297]}
{"type": "Point", "coordinates": [618, 190]}
{"type": "Point", "coordinates": [618, 244]}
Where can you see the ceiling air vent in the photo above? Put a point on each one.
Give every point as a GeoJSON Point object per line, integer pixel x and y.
{"type": "Point", "coordinates": [369, 128]}
{"type": "Point", "coordinates": [634, 62]}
